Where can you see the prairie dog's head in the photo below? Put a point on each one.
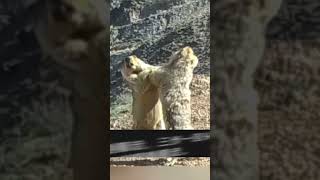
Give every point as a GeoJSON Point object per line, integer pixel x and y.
{"type": "Point", "coordinates": [184, 56]}
{"type": "Point", "coordinates": [134, 64]}
{"type": "Point", "coordinates": [131, 65]}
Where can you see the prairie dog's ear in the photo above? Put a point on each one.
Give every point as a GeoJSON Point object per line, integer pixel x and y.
{"type": "Point", "coordinates": [187, 51]}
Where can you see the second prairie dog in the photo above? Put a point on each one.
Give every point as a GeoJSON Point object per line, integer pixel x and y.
{"type": "Point", "coordinates": [173, 81]}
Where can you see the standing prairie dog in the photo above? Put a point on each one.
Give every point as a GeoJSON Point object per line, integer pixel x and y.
{"type": "Point", "coordinates": [173, 80]}
{"type": "Point", "coordinates": [146, 106]}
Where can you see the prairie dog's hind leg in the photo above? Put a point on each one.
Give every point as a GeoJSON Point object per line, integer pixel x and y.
{"type": "Point", "coordinates": [161, 125]}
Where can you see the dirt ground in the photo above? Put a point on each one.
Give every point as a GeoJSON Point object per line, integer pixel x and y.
{"type": "Point", "coordinates": [200, 107]}
{"type": "Point", "coordinates": [159, 161]}
{"type": "Point", "coordinates": [289, 145]}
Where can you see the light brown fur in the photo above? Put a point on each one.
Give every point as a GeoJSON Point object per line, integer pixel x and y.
{"type": "Point", "coordinates": [146, 106]}
{"type": "Point", "coordinates": [172, 81]}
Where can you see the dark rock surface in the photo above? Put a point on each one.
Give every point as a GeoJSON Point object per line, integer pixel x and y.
{"type": "Point", "coordinates": [297, 19]}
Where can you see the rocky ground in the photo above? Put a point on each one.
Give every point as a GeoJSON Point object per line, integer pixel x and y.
{"type": "Point", "coordinates": [288, 85]}
{"type": "Point", "coordinates": [174, 161]}
{"type": "Point", "coordinates": [153, 30]}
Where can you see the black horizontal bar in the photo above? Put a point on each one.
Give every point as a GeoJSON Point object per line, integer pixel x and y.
{"type": "Point", "coordinates": [160, 143]}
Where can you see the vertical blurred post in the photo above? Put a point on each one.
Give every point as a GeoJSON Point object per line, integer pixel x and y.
{"type": "Point", "coordinates": [239, 42]}
{"type": "Point", "coordinates": [73, 34]}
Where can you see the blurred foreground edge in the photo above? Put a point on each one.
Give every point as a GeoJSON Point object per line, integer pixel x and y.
{"type": "Point", "coordinates": [160, 143]}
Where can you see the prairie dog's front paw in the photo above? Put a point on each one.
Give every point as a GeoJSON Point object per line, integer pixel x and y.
{"type": "Point", "coordinates": [132, 78]}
